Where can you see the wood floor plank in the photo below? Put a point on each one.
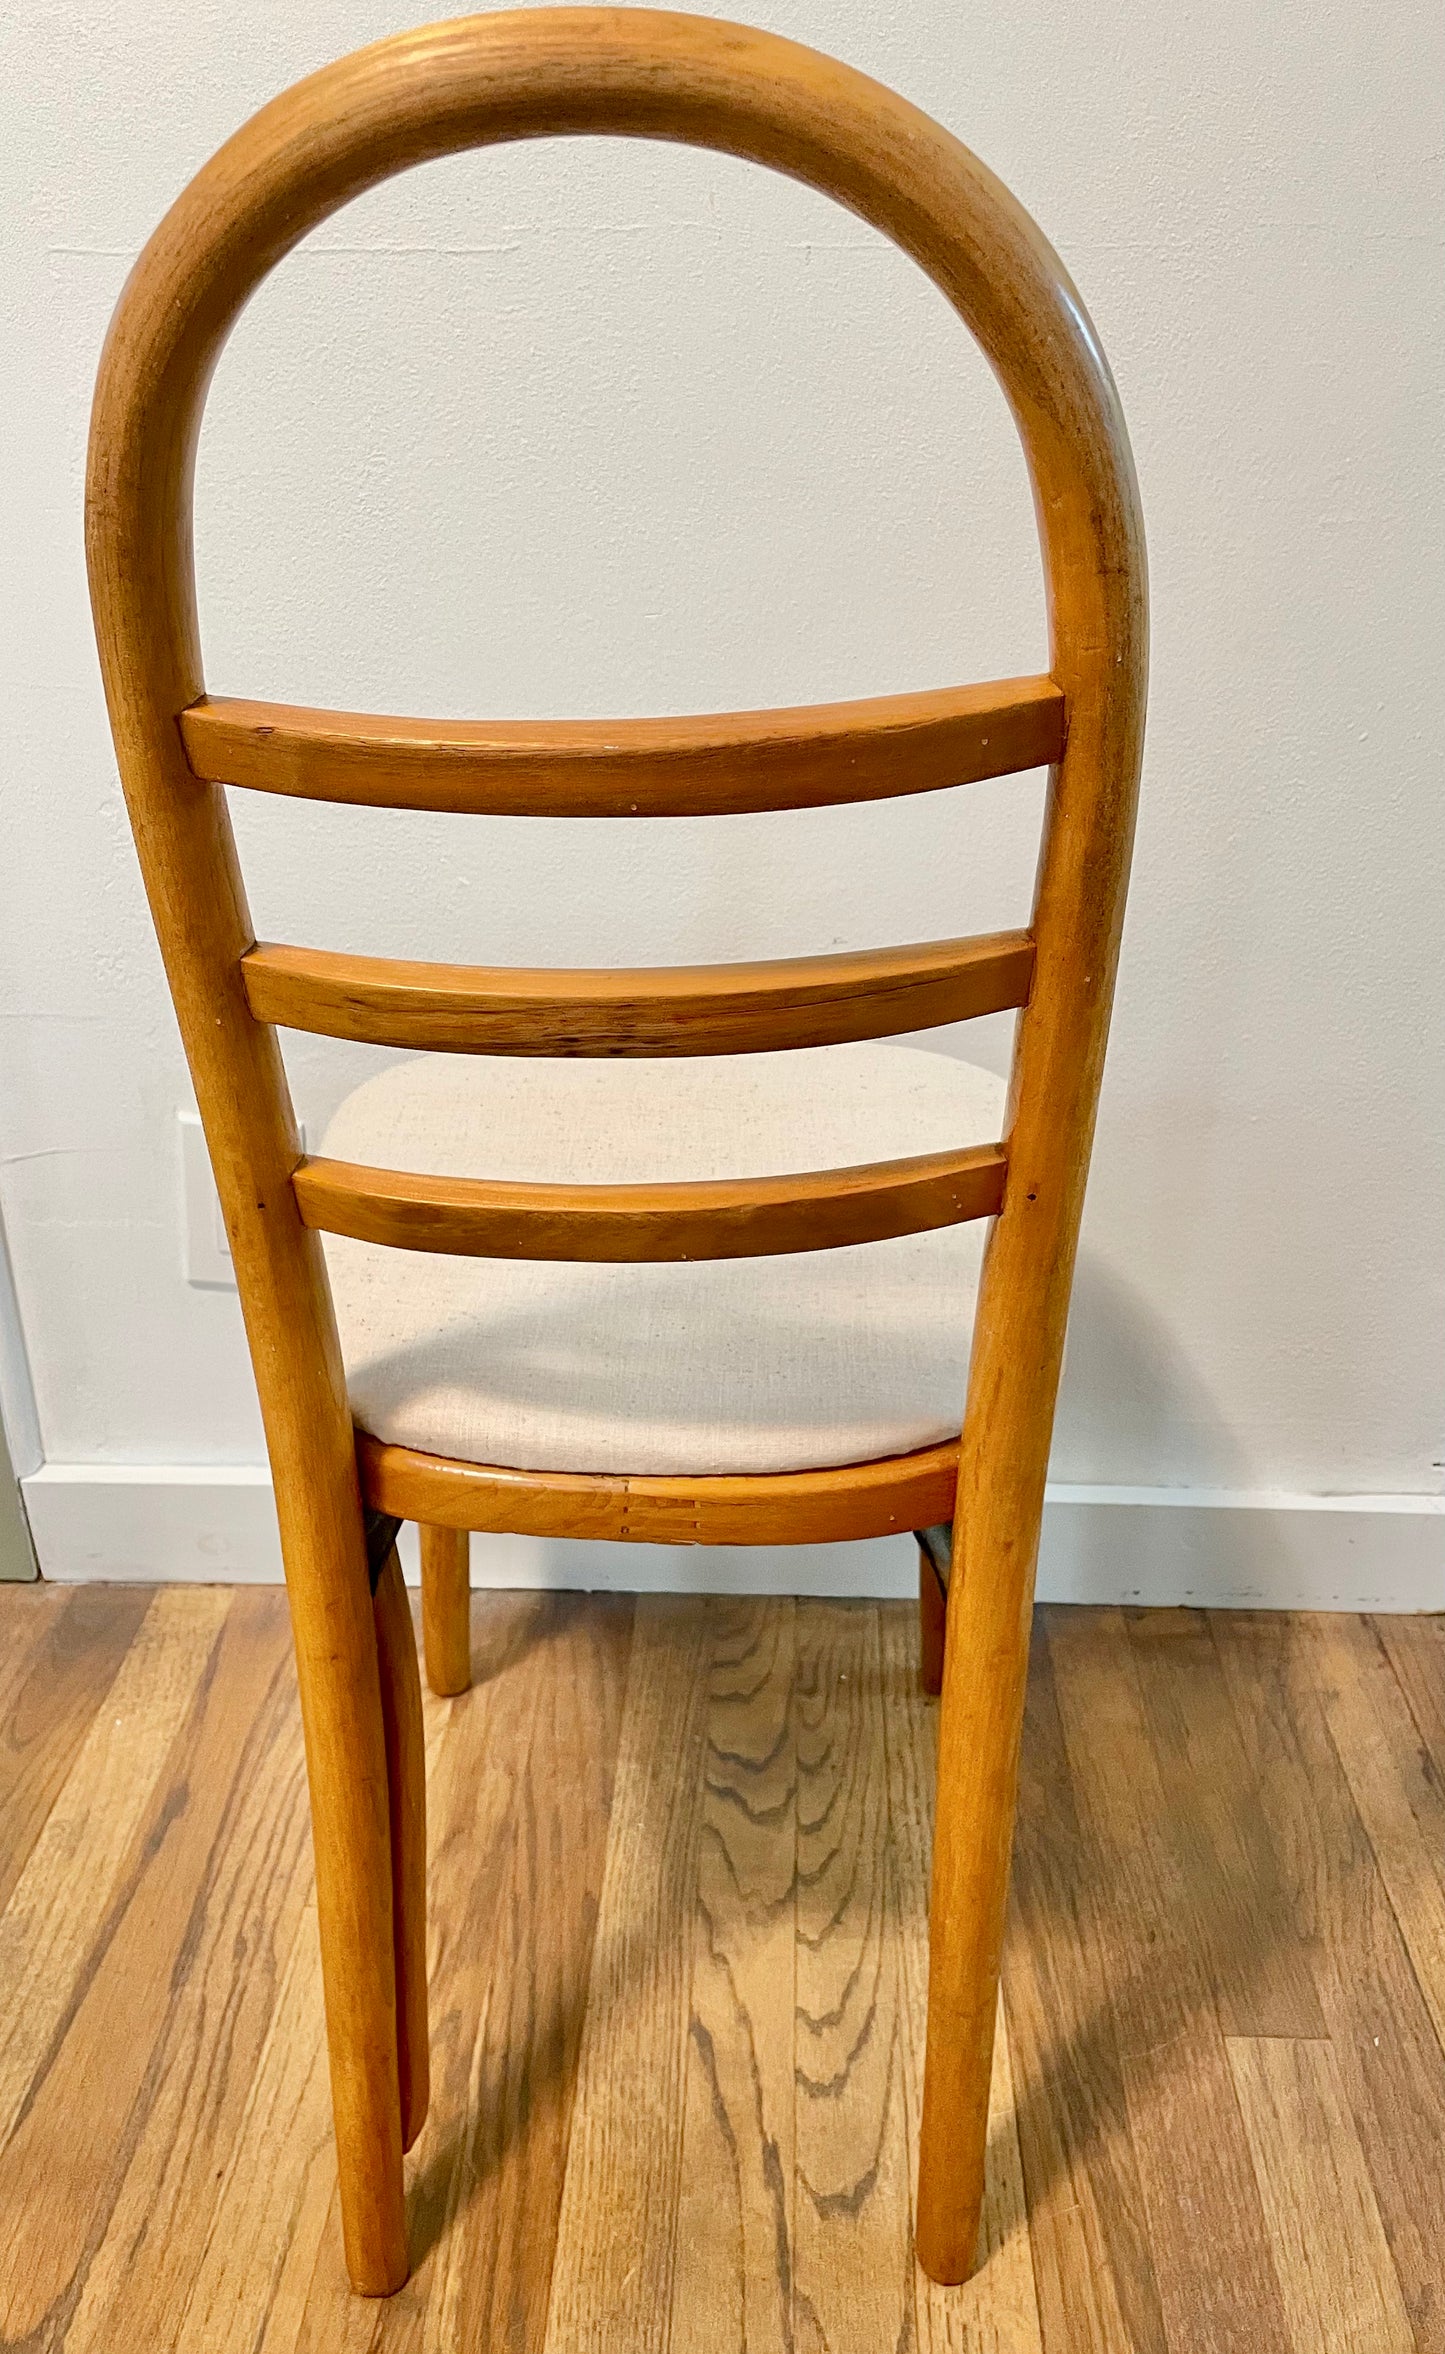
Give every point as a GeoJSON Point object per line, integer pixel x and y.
{"type": "Point", "coordinates": [1257, 1963]}
{"type": "Point", "coordinates": [175, 2232]}
{"type": "Point", "coordinates": [616, 2237]}
{"type": "Point", "coordinates": [1213, 2260]}
{"type": "Point", "coordinates": [997, 2312]}
{"type": "Point", "coordinates": [89, 2099]}
{"type": "Point", "coordinates": [732, 2282]}
{"type": "Point", "coordinates": [1389, 2060]}
{"type": "Point", "coordinates": [514, 1987]}
{"type": "Point", "coordinates": [62, 1648]}
{"type": "Point", "coordinates": [678, 1946]}
{"type": "Point", "coordinates": [1331, 2254]}
{"type": "Point", "coordinates": [59, 1906]}
{"type": "Point", "coordinates": [481, 1748]}
{"type": "Point", "coordinates": [275, 2224]}
{"type": "Point", "coordinates": [247, 2292]}
{"type": "Point", "coordinates": [852, 2251]}
{"type": "Point", "coordinates": [1088, 2224]}
{"type": "Point", "coordinates": [1396, 1791]}
{"type": "Point", "coordinates": [1415, 1648]}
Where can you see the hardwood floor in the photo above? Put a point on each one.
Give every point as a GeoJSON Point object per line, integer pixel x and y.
{"type": "Point", "coordinates": [678, 1968]}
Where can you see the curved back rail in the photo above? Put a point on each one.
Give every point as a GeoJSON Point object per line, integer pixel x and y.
{"type": "Point", "coordinates": [428, 93]}
{"type": "Point", "coordinates": [657, 1010]}
{"type": "Point", "coordinates": [803, 759]}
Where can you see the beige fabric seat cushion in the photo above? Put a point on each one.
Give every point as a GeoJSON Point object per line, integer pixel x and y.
{"type": "Point", "coordinates": [741, 1365]}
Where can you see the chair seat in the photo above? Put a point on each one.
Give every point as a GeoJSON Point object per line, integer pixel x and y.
{"type": "Point", "coordinates": [692, 1369]}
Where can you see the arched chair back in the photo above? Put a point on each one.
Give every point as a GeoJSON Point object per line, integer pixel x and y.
{"type": "Point", "coordinates": [471, 83]}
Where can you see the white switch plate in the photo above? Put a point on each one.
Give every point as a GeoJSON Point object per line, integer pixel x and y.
{"type": "Point", "coordinates": [207, 1251]}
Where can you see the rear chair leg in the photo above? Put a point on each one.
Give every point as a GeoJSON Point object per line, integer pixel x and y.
{"type": "Point", "coordinates": [984, 1677]}
{"type": "Point", "coordinates": [335, 1633]}
{"type": "Point", "coordinates": [446, 1608]}
{"type": "Point", "coordinates": [406, 1790]}
{"type": "Point", "coordinates": [932, 1621]}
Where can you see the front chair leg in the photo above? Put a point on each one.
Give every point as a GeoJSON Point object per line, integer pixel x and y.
{"type": "Point", "coordinates": [406, 1789]}
{"type": "Point", "coordinates": [446, 1608]}
{"type": "Point", "coordinates": [985, 1670]}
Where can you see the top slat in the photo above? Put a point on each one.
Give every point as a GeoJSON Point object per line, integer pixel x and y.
{"type": "Point", "coordinates": [690, 767]}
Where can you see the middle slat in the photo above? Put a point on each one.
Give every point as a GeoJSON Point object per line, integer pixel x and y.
{"type": "Point", "coordinates": [678, 1010]}
{"type": "Point", "coordinates": [730, 1218]}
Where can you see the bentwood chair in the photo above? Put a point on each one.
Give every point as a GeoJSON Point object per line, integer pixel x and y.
{"type": "Point", "coordinates": [735, 1336]}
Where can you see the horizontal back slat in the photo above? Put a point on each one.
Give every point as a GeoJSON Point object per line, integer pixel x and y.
{"type": "Point", "coordinates": [690, 767]}
{"type": "Point", "coordinates": [678, 1010]}
{"type": "Point", "coordinates": [733, 1218]}
{"type": "Point", "coordinates": [780, 1508]}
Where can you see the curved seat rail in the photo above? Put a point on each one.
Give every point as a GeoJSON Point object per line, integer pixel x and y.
{"type": "Point", "coordinates": [833, 1506]}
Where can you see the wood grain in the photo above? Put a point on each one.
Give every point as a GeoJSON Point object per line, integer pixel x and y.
{"type": "Point", "coordinates": [523, 1794]}
{"type": "Point", "coordinates": [1380, 2030]}
{"type": "Point", "coordinates": [65, 1647]}
{"type": "Point", "coordinates": [808, 758]}
{"type": "Point", "coordinates": [1396, 1789]}
{"type": "Point", "coordinates": [732, 2283]}
{"type": "Point", "coordinates": [1258, 1963]}
{"type": "Point", "coordinates": [617, 2232]}
{"type": "Point", "coordinates": [1218, 2289]}
{"type": "Point", "coordinates": [1331, 2254]}
{"type": "Point", "coordinates": [78, 1864]}
{"type": "Point", "coordinates": [797, 1508]}
{"type": "Point", "coordinates": [657, 1010]}
{"type": "Point", "coordinates": [121, 1999]}
{"type": "Point", "coordinates": [852, 2261]}
{"type": "Point", "coordinates": [246, 2279]}
{"type": "Point", "coordinates": [724, 1218]}
{"type": "Point", "coordinates": [251, 1930]}
{"type": "Point", "coordinates": [1089, 2227]}
{"type": "Point", "coordinates": [638, 2136]}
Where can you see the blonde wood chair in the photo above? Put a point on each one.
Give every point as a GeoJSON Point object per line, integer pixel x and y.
{"type": "Point", "coordinates": [341, 1490]}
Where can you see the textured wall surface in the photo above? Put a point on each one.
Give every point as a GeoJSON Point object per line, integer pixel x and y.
{"type": "Point", "coordinates": [589, 427]}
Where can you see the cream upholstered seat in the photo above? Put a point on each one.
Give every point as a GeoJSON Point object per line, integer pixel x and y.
{"type": "Point", "coordinates": [726, 1365]}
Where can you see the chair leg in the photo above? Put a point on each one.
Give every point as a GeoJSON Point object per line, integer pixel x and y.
{"type": "Point", "coordinates": [446, 1608]}
{"type": "Point", "coordinates": [336, 1665]}
{"type": "Point", "coordinates": [932, 1620]}
{"type": "Point", "coordinates": [406, 1789]}
{"type": "Point", "coordinates": [984, 1674]}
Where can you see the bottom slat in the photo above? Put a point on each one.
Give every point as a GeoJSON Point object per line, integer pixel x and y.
{"type": "Point", "coordinates": [776, 1508]}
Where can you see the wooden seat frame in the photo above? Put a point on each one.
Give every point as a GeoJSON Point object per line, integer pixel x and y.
{"type": "Point", "coordinates": [429, 93]}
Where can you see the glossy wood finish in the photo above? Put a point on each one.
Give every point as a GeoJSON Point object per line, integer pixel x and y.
{"type": "Point", "coordinates": [792, 1508]}
{"type": "Point", "coordinates": [680, 1861]}
{"type": "Point", "coordinates": [689, 767]}
{"type": "Point", "coordinates": [687, 1009]}
{"type": "Point", "coordinates": [446, 1607]}
{"type": "Point", "coordinates": [725, 1218]}
{"type": "Point", "coordinates": [406, 1793]}
{"type": "Point", "coordinates": [546, 73]}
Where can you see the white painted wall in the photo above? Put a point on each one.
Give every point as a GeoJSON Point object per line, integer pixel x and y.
{"type": "Point", "coordinates": [586, 427]}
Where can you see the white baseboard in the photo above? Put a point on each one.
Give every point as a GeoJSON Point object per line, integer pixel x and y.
{"type": "Point", "coordinates": [213, 1524]}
